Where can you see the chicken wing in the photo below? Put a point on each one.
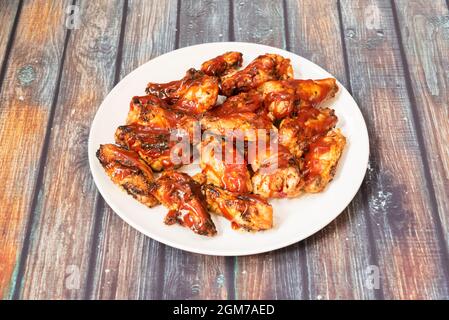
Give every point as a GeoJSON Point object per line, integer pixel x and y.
{"type": "Point", "coordinates": [278, 174]}
{"type": "Point", "coordinates": [241, 103]}
{"type": "Point", "coordinates": [263, 68]}
{"type": "Point", "coordinates": [279, 98]}
{"type": "Point", "coordinates": [222, 64]}
{"type": "Point", "coordinates": [127, 170]}
{"type": "Point", "coordinates": [310, 123]}
{"type": "Point", "coordinates": [246, 211]}
{"type": "Point", "coordinates": [157, 147]}
{"type": "Point", "coordinates": [224, 166]}
{"type": "Point", "coordinates": [183, 197]}
{"type": "Point", "coordinates": [321, 160]}
{"type": "Point", "coordinates": [315, 92]}
{"type": "Point", "coordinates": [243, 126]}
{"type": "Point", "coordinates": [195, 93]}
{"type": "Point", "coordinates": [150, 111]}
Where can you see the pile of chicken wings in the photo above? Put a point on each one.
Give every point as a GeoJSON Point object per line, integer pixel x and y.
{"type": "Point", "coordinates": [270, 138]}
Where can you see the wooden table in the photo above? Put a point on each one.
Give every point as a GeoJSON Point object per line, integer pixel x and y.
{"type": "Point", "coordinates": [58, 238]}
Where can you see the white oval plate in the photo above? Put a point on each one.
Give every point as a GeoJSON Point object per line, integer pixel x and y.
{"type": "Point", "coordinates": [294, 219]}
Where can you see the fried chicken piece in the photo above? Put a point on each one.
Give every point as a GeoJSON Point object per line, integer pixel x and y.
{"type": "Point", "coordinates": [247, 211]}
{"type": "Point", "coordinates": [321, 160]}
{"type": "Point", "coordinates": [183, 197]}
{"type": "Point", "coordinates": [309, 124]}
{"type": "Point", "coordinates": [224, 166]}
{"type": "Point", "coordinates": [278, 174]}
{"type": "Point", "coordinates": [157, 147]}
{"type": "Point", "coordinates": [241, 103]}
{"type": "Point", "coordinates": [263, 68]}
{"type": "Point", "coordinates": [222, 64]}
{"type": "Point", "coordinates": [150, 111]}
{"type": "Point", "coordinates": [314, 92]}
{"type": "Point", "coordinates": [127, 170]}
{"type": "Point", "coordinates": [195, 93]}
{"type": "Point", "coordinates": [243, 126]}
{"type": "Point", "coordinates": [279, 98]}
{"type": "Point", "coordinates": [282, 98]}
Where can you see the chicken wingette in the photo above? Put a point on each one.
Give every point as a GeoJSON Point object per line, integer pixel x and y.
{"type": "Point", "coordinates": [222, 64]}
{"type": "Point", "coordinates": [263, 68]}
{"type": "Point", "coordinates": [246, 211]}
{"type": "Point", "coordinates": [127, 170]}
{"type": "Point", "coordinates": [186, 203]}
{"type": "Point", "coordinates": [159, 148]}
{"type": "Point", "coordinates": [224, 165]}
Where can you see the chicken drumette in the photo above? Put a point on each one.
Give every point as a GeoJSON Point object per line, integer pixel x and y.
{"type": "Point", "coordinates": [126, 169]}
{"type": "Point", "coordinates": [183, 197]}
{"type": "Point", "coordinates": [277, 171]}
{"type": "Point", "coordinates": [309, 124]}
{"type": "Point", "coordinates": [321, 159]}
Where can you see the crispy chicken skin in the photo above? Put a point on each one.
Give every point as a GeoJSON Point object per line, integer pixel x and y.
{"type": "Point", "coordinates": [244, 125]}
{"type": "Point", "coordinates": [247, 211]}
{"type": "Point", "coordinates": [263, 68]}
{"type": "Point", "coordinates": [222, 64]}
{"type": "Point", "coordinates": [310, 123]}
{"type": "Point", "coordinates": [150, 111]}
{"type": "Point", "coordinates": [321, 160]}
{"type": "Point", "coordinates": [284, 97]}
{"type": "Point", "coordinates": [153, 145]}
{"type": "Point", "coordinates": [183, 197]}
{"type": "Point", "coordinates": [224, 166]}
{"type": "Point", "coordinates": [243, 102]}
{"type": "Point", "coordinates": [279, 98]}
{"type": "Point", "coordinates": [127, 170]}
{"type": "Point", "coordinates": [195, 93]}
{"type": "Point", "coordinates": [315, 92]}
{"type": "Point", "coordinates": [278, 174]}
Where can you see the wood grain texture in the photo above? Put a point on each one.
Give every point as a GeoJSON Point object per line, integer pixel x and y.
{"type": "Point", "coordinates": [203, 21]}
{"type": "Point", "coordinates": [424, 27]}
{"type": "Point", "coordinates": [337, 256]}
{"type": "Point", "coordinates": [8, 13]}
{"type": "Point", "coordinates": [278, 274]}
{"type": "Point", "coordinates": [129, 265]}
{"type": "Point", "coordinates": [62, 233]}
{"type": "Point", "coordinates": [137, 267]}
{"type": "Point", "coordinates": [409, 255]}
{"type": "Point", "coordinates": [27, 93]}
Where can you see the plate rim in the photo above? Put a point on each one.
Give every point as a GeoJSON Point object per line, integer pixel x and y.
{"type": "Point", "coordinates": [232, 251]}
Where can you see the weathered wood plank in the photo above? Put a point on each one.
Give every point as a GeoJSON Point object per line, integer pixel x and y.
{"type": "Point", "coordinates": [187, 275]}
{"type": "Point", "coordinates": [400, 209]}
{"type": "Point", "coordinates": [203, 21]}
{"type": "Point", "coordinates": [337, 256]}
{"type": "Point", "coordinates": [279, 274]}
{"type": "Point", "coordinates": [129, 265]}
{"type": "Point", "coordinates": [138, 267]}
{"type": "Point", "coordinates": [8, 13]}
{"type": "Point", "coordinates": [27, 93]}
{"type": "Point", "coordinates": [61, 237]}
{"type": "Point", "coordinates": [424, 28]}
